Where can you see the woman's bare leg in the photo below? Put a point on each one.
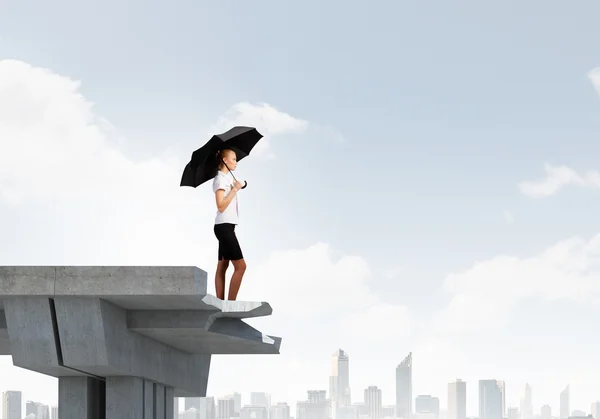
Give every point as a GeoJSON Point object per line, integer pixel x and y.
{"type": "Point", "coordinates": [220, 278]}
{"type": "Point", "coordinates": [239, 267]}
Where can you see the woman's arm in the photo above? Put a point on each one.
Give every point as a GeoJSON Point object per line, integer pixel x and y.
{"type": "Point", "coordinates": [224, 201]}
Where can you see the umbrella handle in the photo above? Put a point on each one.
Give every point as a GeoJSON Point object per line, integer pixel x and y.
{"type": "Point", "coordinates": [245, 184]}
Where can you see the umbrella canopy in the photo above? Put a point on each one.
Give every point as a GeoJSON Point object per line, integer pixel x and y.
{"type": "Point", "coordinates": [204, 166]}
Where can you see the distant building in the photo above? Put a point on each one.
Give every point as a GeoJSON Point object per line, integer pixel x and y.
{"type": "Point", "coordinates": [527, 403]}
{"type": "Point", "coordinates": [39, 410]}
{"type": "Point", "coordinates": [237, 402]}
{"type": "Point", "coordinates": [189, 413]}
{"type": "Point", "coordinates": [339, 382]}
{"type": "Point", "coordinates": [388, 411]}
{"type": "Point", "coordinates": [253, 412]}
{"type": "Point", "coordinates": [373, 402]}
{"type": "Point", "coordinates": [491, 399]}
{"type": "Point", "coordinates": [457, 400]}
{"type": "Point", "coordinates": [11, 405]}
{"type": "Point", "coordinates": [204, 407]}
{"type": "Point", "coordinates": [595, 410]}
{"type": "Point", "coordinates": [404, 388]}
{"type": "Point", "coordinates": [362, 409]}
{"type": "Point", "coordinates": [316, 407]}
{"type": "Point", "coordinates": [348, 412]}
{"type": "Point", "coordinates": [225, 408]}
{"type": "Point", "coordinates": [261, 399]}
{"type": "Point", "coordinates": [279, 411]}
{"type": "Point", "coordinates": [565, 403]}
{"type": "Point", "coordinates": [427, 405]}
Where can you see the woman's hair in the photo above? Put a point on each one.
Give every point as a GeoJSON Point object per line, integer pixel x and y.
{"type": "Point", "coordinates": [220, 155]}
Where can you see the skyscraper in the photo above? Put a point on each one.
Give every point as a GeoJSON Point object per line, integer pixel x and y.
{"type": "Point", "coordinates": [373, 402]}
{"type": "Point", "coordinates": [491, 399]}
{"type": "Point", "coordinates": [565, 403]}
{"type": "Point", "coordinates": [457, 400]}
{"type": "Point", "coordinates": [339, 381]}
{"type": "Point", "coordinates": [11, 405]}
{"type": "Point", "coordinates": [225, 408]}
{"type": "Point", "coordinates": [595, 410]}
{"type": "Point", "coordinates": [527, 403]}
{"type": "Point", "coordinates": [404, 388]}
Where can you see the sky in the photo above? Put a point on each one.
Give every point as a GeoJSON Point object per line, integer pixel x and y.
{"type": "Point", "coordinates": [428, 180]}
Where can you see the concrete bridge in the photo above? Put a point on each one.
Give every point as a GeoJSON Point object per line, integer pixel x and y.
{"type": "Point", "coordinates": [123, 341]}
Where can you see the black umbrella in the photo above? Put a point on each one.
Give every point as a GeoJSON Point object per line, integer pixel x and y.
{"type": "Point", "coordinates": [204, 164]}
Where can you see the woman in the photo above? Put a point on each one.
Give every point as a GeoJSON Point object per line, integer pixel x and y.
{"type": "Point", "coordinates": [226, 189]}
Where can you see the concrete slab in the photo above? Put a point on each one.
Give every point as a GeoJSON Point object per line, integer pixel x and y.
{"type": "Point", "coordinates": [129, 287]}
{"type": "Point", "coordinates": [120, 325]}
{"type": "Point", "coordinates": [26, 280]}
{"type": "Point", "coordinates": [135, 287]}
{"type": "Point", "coordinates": [202, 332]}
{"type": "Point", "coordinates": [237, 309]}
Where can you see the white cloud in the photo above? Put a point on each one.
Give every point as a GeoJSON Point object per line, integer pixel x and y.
{"type": "Point", "coordinates": [558, 177]}
{"type": "Point", "coordinates": [311, 274]}
{"type": "Point", "coordinates": [55, 152]}
{"type": "Point", "coordinates": [394, 272]}
{"type": "Point", "coordinates": [267, 120]}
{"type": "Point", "coordinates": [594, 76]}
{"type": "Point", "coordinates": [508, 217]}
{"type": "Point", "coordinates": [568, 270]}
{"type": "Point", "coordinates": [52, 145]}
{"type": "Point", "coordinates": [310, 283]}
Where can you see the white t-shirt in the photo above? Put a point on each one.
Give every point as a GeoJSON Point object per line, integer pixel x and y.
{"type": "Point", "coordinates": [231, 213]}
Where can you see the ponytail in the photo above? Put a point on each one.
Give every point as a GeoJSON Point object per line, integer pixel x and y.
{"type": "Point", "coordinates": [219, 157]}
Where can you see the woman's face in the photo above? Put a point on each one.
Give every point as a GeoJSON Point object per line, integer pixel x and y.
{"type": "Point", "coordinates": [230, 159]}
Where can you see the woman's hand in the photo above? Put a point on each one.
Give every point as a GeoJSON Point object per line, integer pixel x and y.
{"type": "Point", "coordinates": [238, 185]}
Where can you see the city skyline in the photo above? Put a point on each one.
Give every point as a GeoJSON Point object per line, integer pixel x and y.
{"type": "Point", "coordinates": [492, 403]}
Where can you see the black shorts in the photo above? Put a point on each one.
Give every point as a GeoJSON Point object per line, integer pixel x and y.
{"type": "Point", "coordinates": [229, 247]}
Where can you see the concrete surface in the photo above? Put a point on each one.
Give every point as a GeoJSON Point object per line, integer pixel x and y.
{"type": "Point", "coordinates": [122, 340]}
{"type": "Point", "coordinates": [84, 395]}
